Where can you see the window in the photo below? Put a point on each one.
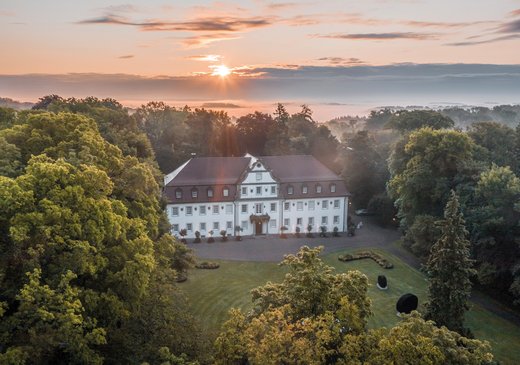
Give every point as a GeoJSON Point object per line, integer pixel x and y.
{"type": "Point", "coordinates": [194, 193]}
{"type": "Point", "coordinates": [229, 208]}
{"type": "Point", "coordinates": [258, 176]}
{"type": "Point", "coordinates": [258, 208]}
{"type": "Point", "coordinates": [304, 189]}
{"type": "Point", "coordinates": [299, 221]}
{"type": "Point", "coordinates": [229, 225]}
{"type": "Point", "coordinates": [244, 208]}
{"type": "Point", "coordinates": [290, 190]}
{"type": "Point", "coordinates": [225, 192]}
{"type": "Point", "coordinates": [215, 209]}
{"type": "Point", "coordinates": [189, 227]}
{"type": "Point", "coordinates": [258, 190]}
{"type": "Point", "coordinates": [336, 203]}
{"type": "Point", "coordinates": [210, 193]}
{"type": "Point", "coordinates": [203, 226]}
{"type": "Point", "coordinates": [318, 189]}
{"type": "Point", "coordinates": [287, 206]}
{"type": "Point", "coordinates": [178, 194]}
{"type": "Point", "coordinates": [273, 189]}
{"type": "Point", "coordinates": [189, 210]}
{"type": "Point", "coordinates": [311, 221]}
{"type": "Point", "coordinates": [272, 223]}
{"type": "Point", "coordinates": [311, 205]}
{"type": "Point", "coordinates": [332, 188]}
{"type": "Point", "coordinates": [273, 207]}
{"type": "Point", "coordinates": [202, 210]}
{"type": "Point", "coordinates": [324, 204]}
{"type": "Point", "coordinates": [287, 222]}
{"type": "Point", "coordinates": [244, 191]}
{"type": "Point", "coordinates": [175, 228]}
{"type": "Point", "coordinates": [324, 220]}
{"type": "Point", "coordinates": [299, 206]}
{"type": "Point", "coordinates": [336, 219]}
{"type": "Point", "coordinates": [175, 211]}
{"type": "Point", "coordinates": [244, 225]}
{"type": "Point", "coordinates": [216, 225]}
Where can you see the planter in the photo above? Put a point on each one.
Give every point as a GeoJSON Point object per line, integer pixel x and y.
{"type": "Point", "coordinates": [207, 265]}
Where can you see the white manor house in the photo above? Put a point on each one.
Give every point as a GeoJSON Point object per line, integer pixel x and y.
{"type": "Point", "coordinates": [259, 194]}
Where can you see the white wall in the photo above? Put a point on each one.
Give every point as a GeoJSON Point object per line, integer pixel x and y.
{"type": "Point", "coordinates": [182, 220]}
{"type": "Point", "coordinates": [317, 213]}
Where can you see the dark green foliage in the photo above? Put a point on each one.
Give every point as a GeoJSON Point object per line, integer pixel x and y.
{"type": "Point", "coordinates": [383, 209]}
{"type": "Point", "coordinates": [422, 235]}
{"type": "Point", "coordinates": [407, 121]}
{"type": "Point", "coordinates": [450, 269]}
{"type": "Point", "coordinates": [363, 168]}
{"type": "Point", "coordinates": [84, 271]}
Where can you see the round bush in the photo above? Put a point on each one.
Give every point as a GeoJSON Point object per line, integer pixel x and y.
{"type": "Point", "coordinates": [382, 282]}
{"type": "Point", "coordinates": [407, 303]}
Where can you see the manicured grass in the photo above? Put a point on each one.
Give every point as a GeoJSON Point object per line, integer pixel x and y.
{"type": "Point", "coordinates": [213, 292]}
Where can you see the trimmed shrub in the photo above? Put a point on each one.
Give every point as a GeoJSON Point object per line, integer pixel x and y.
{"type": "Point", "coordinates": [381, 261]}
{"type": "Point", "coordinates": [197, 237]}
{"type": "Point", "coordinates": [223, 233]}
{"type": "Point", "coordinates": [335, 232]}
{"type": "Point", "coordinates": [207, 265]}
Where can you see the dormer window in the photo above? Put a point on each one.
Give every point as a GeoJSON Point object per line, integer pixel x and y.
{"type": "Point", "coordinates": [318, 189]}
{"type": "Point", "coordinates": [304, 189]}
{"type": "Point", "coordinates": [194, 193]}
{"type": "Point", "coordinates": [258, 176]}
{"type": "Point", "coordinates": [290, 190]}
{"type": "Point", "coordinates": [225, 191]}
{"type": "Point", "coordinates": [332, 188]}
{"type": "Point", "coordinates": [178, 194]}
{"type": "Point", "coordinates": [210, 193]}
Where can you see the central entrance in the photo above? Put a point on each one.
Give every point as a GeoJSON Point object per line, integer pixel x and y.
{"type": "Point", "coordinates": [258, 220]}
{"type": "Point", "coordinates": [258, 228]}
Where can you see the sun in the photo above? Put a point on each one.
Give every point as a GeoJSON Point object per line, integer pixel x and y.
{"type": "Point", "coordinates": [221, 70]}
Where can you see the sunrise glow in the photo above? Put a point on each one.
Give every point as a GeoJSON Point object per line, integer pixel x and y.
{"type": "Point", "coordinates": [221, 70]}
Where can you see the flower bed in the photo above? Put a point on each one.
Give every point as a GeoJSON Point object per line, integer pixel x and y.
{"type": "Point", "coordinates": [207, 265]}
{"type": "Point", "coordinates": [381, 261]}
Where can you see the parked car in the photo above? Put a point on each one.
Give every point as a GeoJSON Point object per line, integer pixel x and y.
{"type": "Point", "coordinates": [363, 212]}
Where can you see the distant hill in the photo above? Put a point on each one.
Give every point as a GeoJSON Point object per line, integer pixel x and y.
{"type": "Point", "coordinates": [18, 105]}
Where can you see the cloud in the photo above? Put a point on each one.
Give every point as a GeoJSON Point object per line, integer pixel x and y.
{"type": "Point", "coordinates": [206, 58]}
{"type": "Point", "coordinates": [342, 60]}
{"type": "Point", "coordinates": [514, 13]}
{"type": "Point", "coordinates": [492, 40]}
{"type": "Point", "coordinates": [284, 6]}
{"type": "Point", "coordinates": [208, 24]}
{"type": "Point", "coordinates": [423, 24]}
{"type": "Point", "coordinates": [7, 13]}
{"type": "Point", "coordinates": [123, 8]}
{"type": "Point", "coordinates": [206, 39]}
{"type": "Point", "coordinates": [220, 105]}
{"type": "Point", "coordinates": [379, 36]}
{"type": "Point", "coordinates": [127, 56]}
{"type": "Point", "coordinates": [510, 27]}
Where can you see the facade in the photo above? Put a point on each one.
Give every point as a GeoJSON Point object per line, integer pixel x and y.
{"type": "Point", "coordinates": [259, 194]}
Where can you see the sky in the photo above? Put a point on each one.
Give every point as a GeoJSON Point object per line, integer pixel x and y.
{"type": "Point", "coordinates": [338, 56]}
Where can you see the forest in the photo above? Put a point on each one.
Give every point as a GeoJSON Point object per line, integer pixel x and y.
{"type": "Point", "coordinates": [88, 268]}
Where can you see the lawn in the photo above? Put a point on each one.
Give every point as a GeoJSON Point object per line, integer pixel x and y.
{"type": "Point", "coordinates": [213, 292]}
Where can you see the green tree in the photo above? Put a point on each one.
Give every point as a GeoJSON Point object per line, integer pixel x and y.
{"type": "Point", "coordinates": [450, 268]}
{"type": "Point", "coordinates": [407, 121]}
{"type": "Point", "coordinates": [497, 142]}
{"type": "Point", "coordinates": [433, 161]}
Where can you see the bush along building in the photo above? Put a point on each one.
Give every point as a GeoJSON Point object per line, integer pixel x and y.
{"type": "Point", "coordinates": [255, 196]}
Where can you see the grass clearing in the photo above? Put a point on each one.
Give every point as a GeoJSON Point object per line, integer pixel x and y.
{"type": "Point", "coordinates": [213, 292]}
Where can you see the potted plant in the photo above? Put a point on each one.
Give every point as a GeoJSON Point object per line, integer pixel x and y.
{"type": "Point", "coordinates": [309, 231]}
{"type": "Point", "coordinates": [283, 229]}
{"type": "Point", "coordinates": [183, 232]}
{"type": "Point", "coordinates": [210, 237]}
{"type": "Point", "coordinates": [323, 231]}
{"type": "Point", "coordinates": [197, 237]}
{"type": "Point", "coordinates": [297, 232]}
{"type": "Point", "coordinates": [335, 232]}
{"type": "Point", "coordinates": [238, 229]}
{"type": "Point", "coordinates": [223, 233]}
{"type": "Point", "coordinates": [351, 230]}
